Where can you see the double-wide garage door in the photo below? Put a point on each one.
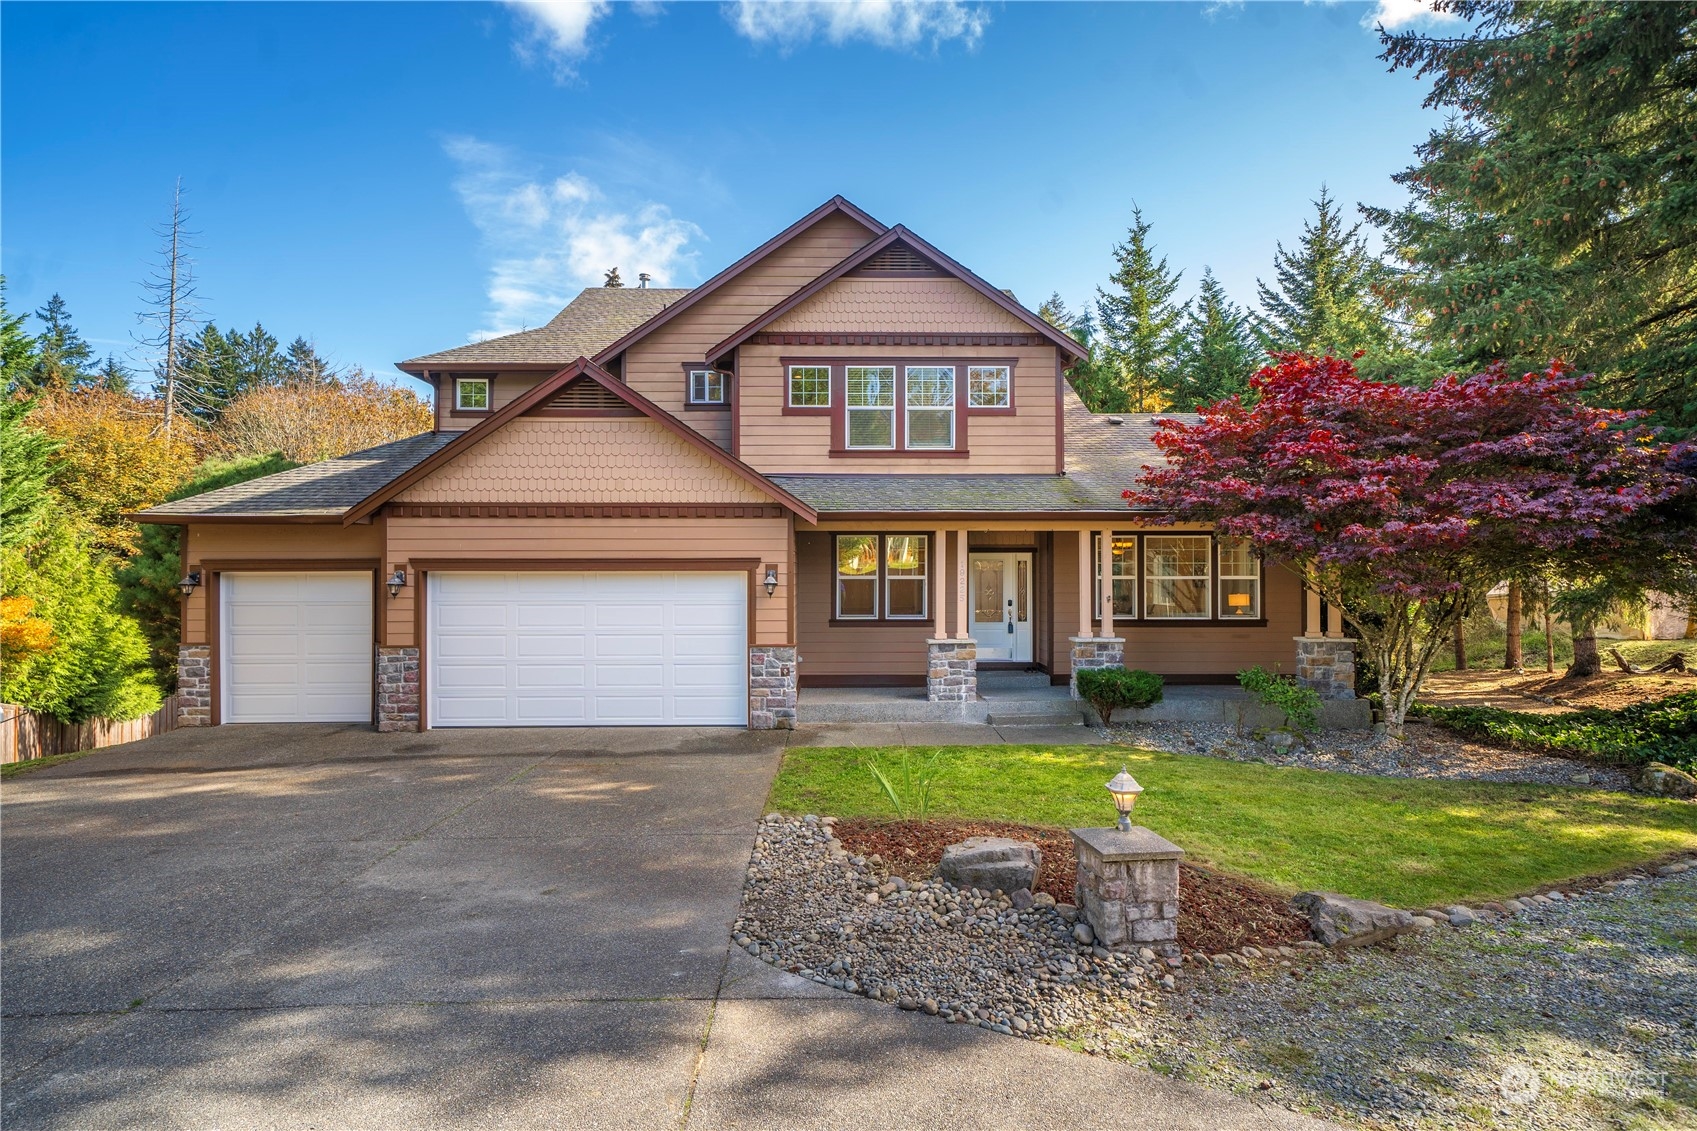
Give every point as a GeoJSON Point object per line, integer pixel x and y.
{"type": "Point", "coordinates": [587, 649]}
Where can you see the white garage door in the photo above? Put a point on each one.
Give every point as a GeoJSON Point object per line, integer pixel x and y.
{"type": "Point", "coordinates": [296, 647]}
{"type": "Point", "coordinates": [588, 649]}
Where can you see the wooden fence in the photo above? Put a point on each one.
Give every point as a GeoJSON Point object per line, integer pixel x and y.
{"type": "Point", "coordinates": [25, 734]}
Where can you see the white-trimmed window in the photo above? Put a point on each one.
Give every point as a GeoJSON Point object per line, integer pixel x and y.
{"type": "Point", "coordinates": [810, 386]}
{"type": "Point", "coordinates": [471, 394]}
{"type": "Point", "coordinates": [1175, 576]}
{"type": "Point", "coordinates": [857, 576]}
{"type": "Point", "coordinates": [989, 386]}
{"type": "Point", "coordinates": [1240, 580]}
{"type": "Point", "coordinates": [905, 571]}
{"type": "Point", "coordinates": [870, 391]}
{"type": "Point", "coordinates": [706, 386]}
{"type": "Point", "coordinates": [1125, 575]}
{"type": "Point", "coordinates": [930, 406]}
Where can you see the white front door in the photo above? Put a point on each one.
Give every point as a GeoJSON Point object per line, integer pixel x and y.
{"type": "Point", "coordinates": [587, 649]}
{"type": "Point", "coordinates": [1001, 605]}
{"type": "Point", "coordinates": [296, 647]}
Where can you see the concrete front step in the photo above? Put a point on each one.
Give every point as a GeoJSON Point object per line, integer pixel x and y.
{"type": "Point", "coordinates": [991, 681]}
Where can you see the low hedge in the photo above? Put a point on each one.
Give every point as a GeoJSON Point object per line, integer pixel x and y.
{"type": "Point", "coordinates": [1108, 689]}
{"type": "Point", "coordinates": [1664, 730]}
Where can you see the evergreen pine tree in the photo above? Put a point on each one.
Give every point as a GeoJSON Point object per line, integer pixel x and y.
{"type": "Point", "coordinates": [17, 347]}
{"type": "Point", "coordinates": [1216, 353]}
{"type": "Point", "coordinates": [305, 367]}
{"type": "Point", "coordinates": [61, 355]}
{"type": "Point", "coordinates": [1139, 322]}
{"type": "Point", "coordinates": [114, 375]}
{"type": "Point", "coordinates": [1054, 311]}
{"type": "Point", "coordinates": [26, 468]}
{"type": "Point", "coordinates": [1323, 300]}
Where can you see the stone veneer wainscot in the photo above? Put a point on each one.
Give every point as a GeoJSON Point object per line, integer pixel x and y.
{"type": "Point", "coordinates": [194, 685]}
{"type": "Point", "coordinates": [772, 680]}
{"type": "Point", "coordinates": [1327, 664]}
{"type": "Point", "coordinates": [951, 674]}
{"type": "Point", "coordinates": [397, 689]}
{"type": "Point", "coordinates": [1095, 652]}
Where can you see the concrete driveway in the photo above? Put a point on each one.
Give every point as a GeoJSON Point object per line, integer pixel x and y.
{"type": "Point", "coordinates": [265, 926]}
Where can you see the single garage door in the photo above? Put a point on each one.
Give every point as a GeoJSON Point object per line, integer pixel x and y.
{"type": "Point", "coordinates": [296, 647]}
{"type": "Point", "coordinates": [588, 649]}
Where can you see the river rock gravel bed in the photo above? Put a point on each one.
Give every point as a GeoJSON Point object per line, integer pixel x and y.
{"type": "Point", "coordinates": [1572, 1013]}
{"type": "Point", "coordinates": [1427, 751]}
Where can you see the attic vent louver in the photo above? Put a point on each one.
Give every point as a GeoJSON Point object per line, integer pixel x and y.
{"type": "Point", "coordinates": [584, 395]}
{"type": "Point", "coordinates": [898, 259]}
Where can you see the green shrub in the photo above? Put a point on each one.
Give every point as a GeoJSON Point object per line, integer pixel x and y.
{"type": "Point", "coordinates": [1300, 704]}
{"type": "Point", "coordinates": [1664, 730]}
{"type": "Point", "coordinates": [1108, 689]}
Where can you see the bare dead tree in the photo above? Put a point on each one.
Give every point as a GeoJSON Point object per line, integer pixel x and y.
{"type": "Point", "coordinates": [169, 296]}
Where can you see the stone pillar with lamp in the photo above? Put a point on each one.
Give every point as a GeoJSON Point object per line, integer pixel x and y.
{"type": "Point", "coordinates": [1127, 889]}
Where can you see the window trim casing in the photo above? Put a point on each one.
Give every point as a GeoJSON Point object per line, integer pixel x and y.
{"type": "Point", "coordinates": [990, 410]}
{"type": "Point", "coordinates": [488, 380]}
{"type": "Point", "coordinates": [1213, 620]}
{"type": "Point", "coordinates": [894, 409]}
{"type": "Point", "coordinates": [792, 409]}
{"type": "Point", "coordinates": [907, 409]}
{"type": "Point", "coordinates": [1260, 579]}
{"type": "Point", "coordinates": [691, 368]}
{"type": "Point", "coordinates": [837, 620]}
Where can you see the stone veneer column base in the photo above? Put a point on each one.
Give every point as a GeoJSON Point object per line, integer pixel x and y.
{"type": "Point", "coordinates": [1128, 888]}
{"type": "Point", "coordinates": [772, 682]}
{"type": "Point", "coordinates": [951, 670]}
{"type": "Point", "coordinates": [1327, 664]}
{"type": "Point", "coordinates": [1095, 652]}
{"type": "Point", "coordinates": [194, 685]}
{"type": "Point", "coordinates": [397, 689]}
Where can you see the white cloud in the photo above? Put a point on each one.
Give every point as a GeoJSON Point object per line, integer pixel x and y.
{"type": "Point", "coordinates": [560, 28]}
{"type": "Point", "coordinates": [547, 238]}
{"type": "Point", "coordinates": [1394, 14]}
{"type": "Point", "coordinates": [886, 23]}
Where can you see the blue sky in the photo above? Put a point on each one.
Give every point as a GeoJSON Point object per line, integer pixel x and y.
{"type": "Point", "coordinates": [391, 179]}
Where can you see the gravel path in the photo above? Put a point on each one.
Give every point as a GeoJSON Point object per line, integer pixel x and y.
{"type": "Point", "coordinates": [1573, 1014]}
{"type": "Point", "coordinates": [1427, 752]}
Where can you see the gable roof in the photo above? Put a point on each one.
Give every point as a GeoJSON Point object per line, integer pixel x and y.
{"type": "Point", "coordinates": [899, 234]}
{"type": "Point", "coordinates": [837, 204]}
{"type": "Point", "coordinates": [540, 395]}
{"type": "Point", "coordinates": [597, 316]}
{"type": "Point", "coordinates": [314, 492]}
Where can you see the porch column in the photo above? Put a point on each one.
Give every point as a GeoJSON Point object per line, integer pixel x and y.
{"type": "Point", "coordinates": [1107, 565]}
{"type": "Point", "coordinates": [939, 602]}
{"type": "Point", "coordinates": [962, 625]}
{"type": "Point", "coordinates": [1310, 612]}
{"type": "Point", "coordinates": [1084, 583]}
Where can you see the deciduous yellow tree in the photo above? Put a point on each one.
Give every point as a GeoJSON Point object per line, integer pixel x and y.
{"type": "Point", "coordinates": [315, 421]}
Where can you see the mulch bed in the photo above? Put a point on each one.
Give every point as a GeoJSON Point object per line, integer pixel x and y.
{"type": "Point", "coordinates": [1216, 912]}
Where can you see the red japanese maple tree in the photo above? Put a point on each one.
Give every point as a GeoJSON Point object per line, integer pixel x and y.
{"type": "Point", "coordinates": [1396, 503]}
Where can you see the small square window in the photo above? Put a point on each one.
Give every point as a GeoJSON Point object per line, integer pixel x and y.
{"type": "Point", "coordinates": [471, 394]}
{"type": "Point", "coordinates": [810, 386]}
{"type": "Point", "coordinates": [989, 386]}
{"type": "Point", "coordinates": [706, 386]}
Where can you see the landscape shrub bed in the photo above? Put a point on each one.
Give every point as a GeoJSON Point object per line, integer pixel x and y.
{"type": "Point", "coordinates": [1664, 730]}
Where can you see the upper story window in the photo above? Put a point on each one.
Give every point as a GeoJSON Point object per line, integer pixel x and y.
{"type": "Point", "coordinates": [707, 387]}
{"type": "Point", "coordinates": [989, 386]}
{"type": "Point", "coordinates": [810, 386]}
{"type": "Point", "coordinates": [471, 394]}
{"type": "Point", "coordinates": [871, 400]}
{"type": "Point", "coordinates": [930, 406]}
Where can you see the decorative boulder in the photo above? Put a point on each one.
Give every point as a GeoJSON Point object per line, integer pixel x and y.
{"type": "Point", "coordinates": [991, 863]}
{"type": "Point", "coordinates": [1338, 920]}
{"type": "Point", "coordinates": [1666, 781]}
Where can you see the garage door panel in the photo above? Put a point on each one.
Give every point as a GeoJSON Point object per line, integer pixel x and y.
{"type": "Point", "coordinates": [296, 647]}
{"type": "Point", "coordinates": [580, 649]}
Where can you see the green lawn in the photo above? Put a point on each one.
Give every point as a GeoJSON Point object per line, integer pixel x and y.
{"type": "Point", "coordinates": [1403, 842]}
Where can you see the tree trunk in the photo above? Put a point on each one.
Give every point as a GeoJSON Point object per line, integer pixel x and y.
{"type": "Point", "coordinates": [1460, 647]}
{"type": "Point", "coordinates": [1549, 636]}
{"type": "Point", "coordinates": [1512, 658]}
{"type": "Point", "coordinates": [1585, 658]}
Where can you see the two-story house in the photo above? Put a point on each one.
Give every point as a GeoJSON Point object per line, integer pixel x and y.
{"type": "Point", "coordinates": [844, 460]}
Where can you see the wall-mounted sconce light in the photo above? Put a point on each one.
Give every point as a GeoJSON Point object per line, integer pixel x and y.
{"type": "Point", "coordinates": [771, 580]}
{"type": "Point", "coordinates": [397, 581]}
{"type": "Point", "coordinates": [189, 583]}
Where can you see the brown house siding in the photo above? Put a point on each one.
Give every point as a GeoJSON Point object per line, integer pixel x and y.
{"type": "Point", "coordinates": [653, 366]}
{"type": "Point", "coordinates": [1021, 442]}
{"type": "Point", "coordinates": [924, 305]}
{"type": "Point", "coordinates": [269, 545]}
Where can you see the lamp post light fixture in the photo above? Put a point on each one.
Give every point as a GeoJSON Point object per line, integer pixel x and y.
{"type": "Point", "coordinates": [397, 581]}
{"type": "Point", "coordinates": [189, 583]}
{"type": "Point", "coordinates": [1124, 789]}
{"type": "Point", "coordinates": [771, 580]}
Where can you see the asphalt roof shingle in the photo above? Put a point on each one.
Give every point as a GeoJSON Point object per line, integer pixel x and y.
{"type": "Point", "coordinates": [313, 490]}
{"type": "Point", "coordinates": [588, 324]}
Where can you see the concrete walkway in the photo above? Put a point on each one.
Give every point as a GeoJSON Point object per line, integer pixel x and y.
{"type": "Point", "coordinates": [319, 926]}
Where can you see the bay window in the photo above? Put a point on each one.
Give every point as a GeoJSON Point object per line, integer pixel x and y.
{"type": "Point", "coordinates": [882, 577]}
{"type": "Point", "coordinates": [930, 406]}
{"type": "Point", "coordinates": [871, 406]}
